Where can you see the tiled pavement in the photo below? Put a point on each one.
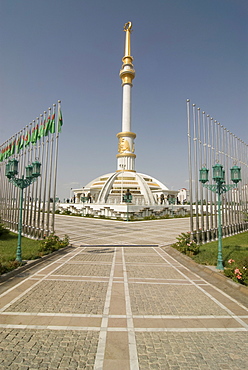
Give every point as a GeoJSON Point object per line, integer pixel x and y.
{"type": "Point", "coordinates": [119, 307]}
{"type": "Point", "coordinates": [85, 231]}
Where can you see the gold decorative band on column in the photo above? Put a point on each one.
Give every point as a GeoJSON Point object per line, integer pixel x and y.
{"type": "Point", "coordinates": [127, 73]}
{"type": "Point", "coordinates": [126, 134]}
{"type": "Point", "coordinates": [127, 77]}
{"type": "Point", "coordinates": [127, 59]}
{"type": "Point", "coordinates": [126, 155]}
{"type": "Point", "coordinates": [125, 171]}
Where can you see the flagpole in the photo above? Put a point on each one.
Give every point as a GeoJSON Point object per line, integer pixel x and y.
{"type": "Point", "coordinates": [32, 154]}
{"type": "Point", "coordinates": [50, 177]}
{"type": "Point", "coordinates": [225, 201]}
{"type": "Point", "coordinates": [45, 173]}
{"type": "Point", "coordinates": [10, 188]}
{"type": "Point", "coordinates": [236, 195]}
{"type": "Point", "coordinates": [20, 165]}
{"type": "Point", "coordinates": [9, 214]}
{"type": "Point", "coordinates": [244, 189]}
{"type": "Point", "coordinates": [28, 189]}
{"type": "Point", "coordinates": [202, 231]}
{"type": "Point", "coordinates": [4, 215]}
{"type": "Point", "coordinates": [15, 187]}
{"type": "Point", "coordinates": [196, 172]}
{"type": "Point", "coordinates": [22, 170]}
{"type": "Point", "coordinates": [2, 188]}
{"type": "Point", "coordinates": [2, 193]}
{"type": "Point", "coordinates": [231, 193]}
{"type": "Point", "coordinates": [13, 192]}
{"type": "Point", "coordinates": [41, 154]}
{"type": "Point", "coordinates": [36, 183]}
{"type": "Point", "coordinates": [190, 170]}
{"type": "Point", "coordinates": [56, 164]}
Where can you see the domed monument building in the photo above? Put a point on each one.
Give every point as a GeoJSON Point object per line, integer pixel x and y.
{"type": "Point", "coordinates": [105, 195]}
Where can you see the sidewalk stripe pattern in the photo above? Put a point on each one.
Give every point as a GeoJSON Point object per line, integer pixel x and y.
{"type": "Point", "coordinates": [120, 307]}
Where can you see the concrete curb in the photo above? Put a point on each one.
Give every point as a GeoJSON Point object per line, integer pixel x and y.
{"type": "Point", "coordinates": [237, 291]}
{"type": "Point", "coordinates": [31, 263]}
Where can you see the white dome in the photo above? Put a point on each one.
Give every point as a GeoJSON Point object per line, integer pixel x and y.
{"type": "Point", "coordinates": [109, 188]}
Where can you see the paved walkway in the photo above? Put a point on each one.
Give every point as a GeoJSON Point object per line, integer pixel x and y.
{"type": "Point", "coordinates": [119, 308]}
{"type": "Point", "coordinates": [85, 231]}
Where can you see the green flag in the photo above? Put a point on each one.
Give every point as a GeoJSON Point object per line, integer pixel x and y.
{"type": "Point", "coordinates": [7, 151]}
{"type": "Point", "coordinates": [52, 124]}
{"type": "Point", "coordinates": [34, 136]}
{"type": "Point", "coordinates": [4, 152]}
{"type": "Point", "coordinates": [47, 126]}
{"type": "Point", "coordinates": [27, 138]}
{"type": "Point", "coordinates": [60, 120]}
{"type": "Point", "coordinates": [12, 147]}
{"type": "Point", "coordinates": [41, 130]}
{"type": "Point", "coordinates": [19, 143]}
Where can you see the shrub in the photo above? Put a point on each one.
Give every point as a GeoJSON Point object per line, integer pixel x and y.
{"type": "Point", "coordinates": [66, 212]}
{"type": "Point", "coordinates": [238, 271]}
{"type": "Point", "coordinates": [3, 230]}
{"type": "Point", "coordinates": [8, 266]}
{"type": "Point", "coordinates": [151, 217]}
{"type": "Point", "coordinates": [53, 243]}
{"type": "Point", "coordinates": [185, 245]}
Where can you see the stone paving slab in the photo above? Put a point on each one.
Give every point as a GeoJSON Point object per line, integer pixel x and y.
{"type": "Point", "coordinates": [139, 251]}
{"type": "Point", "coordinates": [141, 259]}
{"type": "Point", "coordinates": [120, 308]}
{"type": "Point", "coordinates": [48, 349]}
{"type": "Point", "coordinates": [147, 272]}
{"type": "Point", "coordinates": [192, 350]}
{"type": "Point", "coordinates": [84, 270]}
{"type": "Point", "coordinates": [154, 299]}
{"type": "Point", "coordinates": [63, 296]}
{"type": "Point", "coordinates": [93, 257]}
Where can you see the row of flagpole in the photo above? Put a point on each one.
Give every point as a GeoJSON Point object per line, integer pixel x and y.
{"type": "Point", "coordinates": [209, 143]}
{"type": "Point", "coordinates": [36, 141]}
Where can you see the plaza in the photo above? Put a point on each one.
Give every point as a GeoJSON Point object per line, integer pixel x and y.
{"type": "Point", "coordinates": [120, 298]}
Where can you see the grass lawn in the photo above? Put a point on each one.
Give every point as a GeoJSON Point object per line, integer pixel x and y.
{"type": "Point", "coordinates": [8, 245]}
{"type": "Point", "coordinates": [233, 247]}
{"type": "Point", "coordinates": [31, 249]}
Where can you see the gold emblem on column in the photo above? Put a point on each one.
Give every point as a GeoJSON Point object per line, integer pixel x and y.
{"type": "Point", "coordinates": [123, 145]}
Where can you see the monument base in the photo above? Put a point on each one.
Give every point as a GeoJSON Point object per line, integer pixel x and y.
{"type": "Point", "coordinates": [122, 211]}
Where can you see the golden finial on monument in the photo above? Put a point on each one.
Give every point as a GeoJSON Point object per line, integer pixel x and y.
{"type": "Point", "coordinates": [128, 26]}
{"type": "Point", "coordinates": [128, 30]}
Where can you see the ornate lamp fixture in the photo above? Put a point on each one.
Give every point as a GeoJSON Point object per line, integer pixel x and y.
{"type": "Point", "coordinates": [220, 188]}
{"type": "Point", "coordinates": [32, 173]}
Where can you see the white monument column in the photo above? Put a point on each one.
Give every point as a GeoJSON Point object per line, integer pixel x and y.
{"type": "Point", "coordinates": [126, 156]}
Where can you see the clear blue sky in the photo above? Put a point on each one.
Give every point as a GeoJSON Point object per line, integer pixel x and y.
{"type": "Point", "coordinates": [72, 49]}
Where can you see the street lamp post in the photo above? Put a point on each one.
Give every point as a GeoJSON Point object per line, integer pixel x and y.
{"type": "Point", "coordinates": [32, 173]}
{"type": "Point", "coordinates": [220, 188]}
